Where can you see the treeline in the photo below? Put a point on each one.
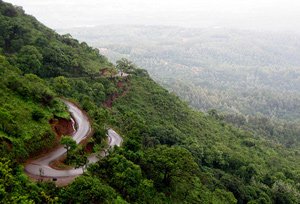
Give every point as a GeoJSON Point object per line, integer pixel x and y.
{"type": "Point", "coordinates": [286, 133]}
{"type": "Point", "coordinates": [241, 100]}
{"type": "Point", "coordinates": [270, 114]}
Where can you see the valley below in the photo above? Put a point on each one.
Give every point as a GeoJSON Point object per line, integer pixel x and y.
{"type": "Point", "coordinates": [251, 78]}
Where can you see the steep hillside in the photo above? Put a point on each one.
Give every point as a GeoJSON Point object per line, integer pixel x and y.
{"type": "Point", "coordinates": [171, 153]}
{"type": "Point", "coordinates": [252, 77]}
{"type": "Point", "coordinates": [27, 106]}
{"type": "Point", "coordinates": [38, 49]}
{"type": "Point", "coordinates": [228, 158]}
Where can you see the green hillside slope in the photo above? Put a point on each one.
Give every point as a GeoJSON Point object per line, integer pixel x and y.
{"type": "Point", "coordinates": [251, 77]}
{"type": "Point", "coordinates": [171, 153]}
{"type": "Point", "coordinates": [33, 46]}
{"type": "Point", "coordinates": [27, 105]}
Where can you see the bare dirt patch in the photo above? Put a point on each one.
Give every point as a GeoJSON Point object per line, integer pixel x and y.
{"type": "Point", "coordinates": [62, 126]}
{"type": "Point", "coordinates": [121, 85]}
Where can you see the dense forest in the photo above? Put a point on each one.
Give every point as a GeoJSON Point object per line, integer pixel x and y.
{"type": "Point", "coordinates": [171, 153]}
{"type": "Point", "coordinates": [251, 77]}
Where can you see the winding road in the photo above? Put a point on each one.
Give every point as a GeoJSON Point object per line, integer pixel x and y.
{"type": "Point", "coordinates": [41, 166]}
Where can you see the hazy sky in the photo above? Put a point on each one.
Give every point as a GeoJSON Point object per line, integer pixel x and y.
{"type": "Point", "coordinates": [259, 14]}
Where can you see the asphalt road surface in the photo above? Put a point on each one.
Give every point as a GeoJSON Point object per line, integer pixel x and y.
{"type": "Point", "coordinates": [41, 166]}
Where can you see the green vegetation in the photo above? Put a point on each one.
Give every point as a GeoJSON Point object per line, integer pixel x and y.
{"type": "Point", "coordinates": [227, 159]}
{"type": "Point", "coordinates": [27, 106]}
{"type": "Point", "coordinates": [39, 50]}
{"type": "Point", "coordinates": [252, 78]}
{"type": "Point", "coordinates": [171, 153]}
{"type": "Point", "coordinates": [68, 143]}
{"type": "Point", "coordinates": [75, 153]}
{"type": "Point", "coordinates": [87, 189]}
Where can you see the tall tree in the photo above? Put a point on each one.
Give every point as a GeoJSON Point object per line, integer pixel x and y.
{"type": "Point", "coordinates": [68, 143]}
{"type": "Point", "coordinates": [169, 166]}
{"type": "Point", "coordinates": [124, 65]}
{"type": "Point", "coordinates": [30, 59]}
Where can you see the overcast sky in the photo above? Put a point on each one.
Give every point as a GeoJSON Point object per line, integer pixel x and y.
{"type": "Point", "coordinates": [249, 14]}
